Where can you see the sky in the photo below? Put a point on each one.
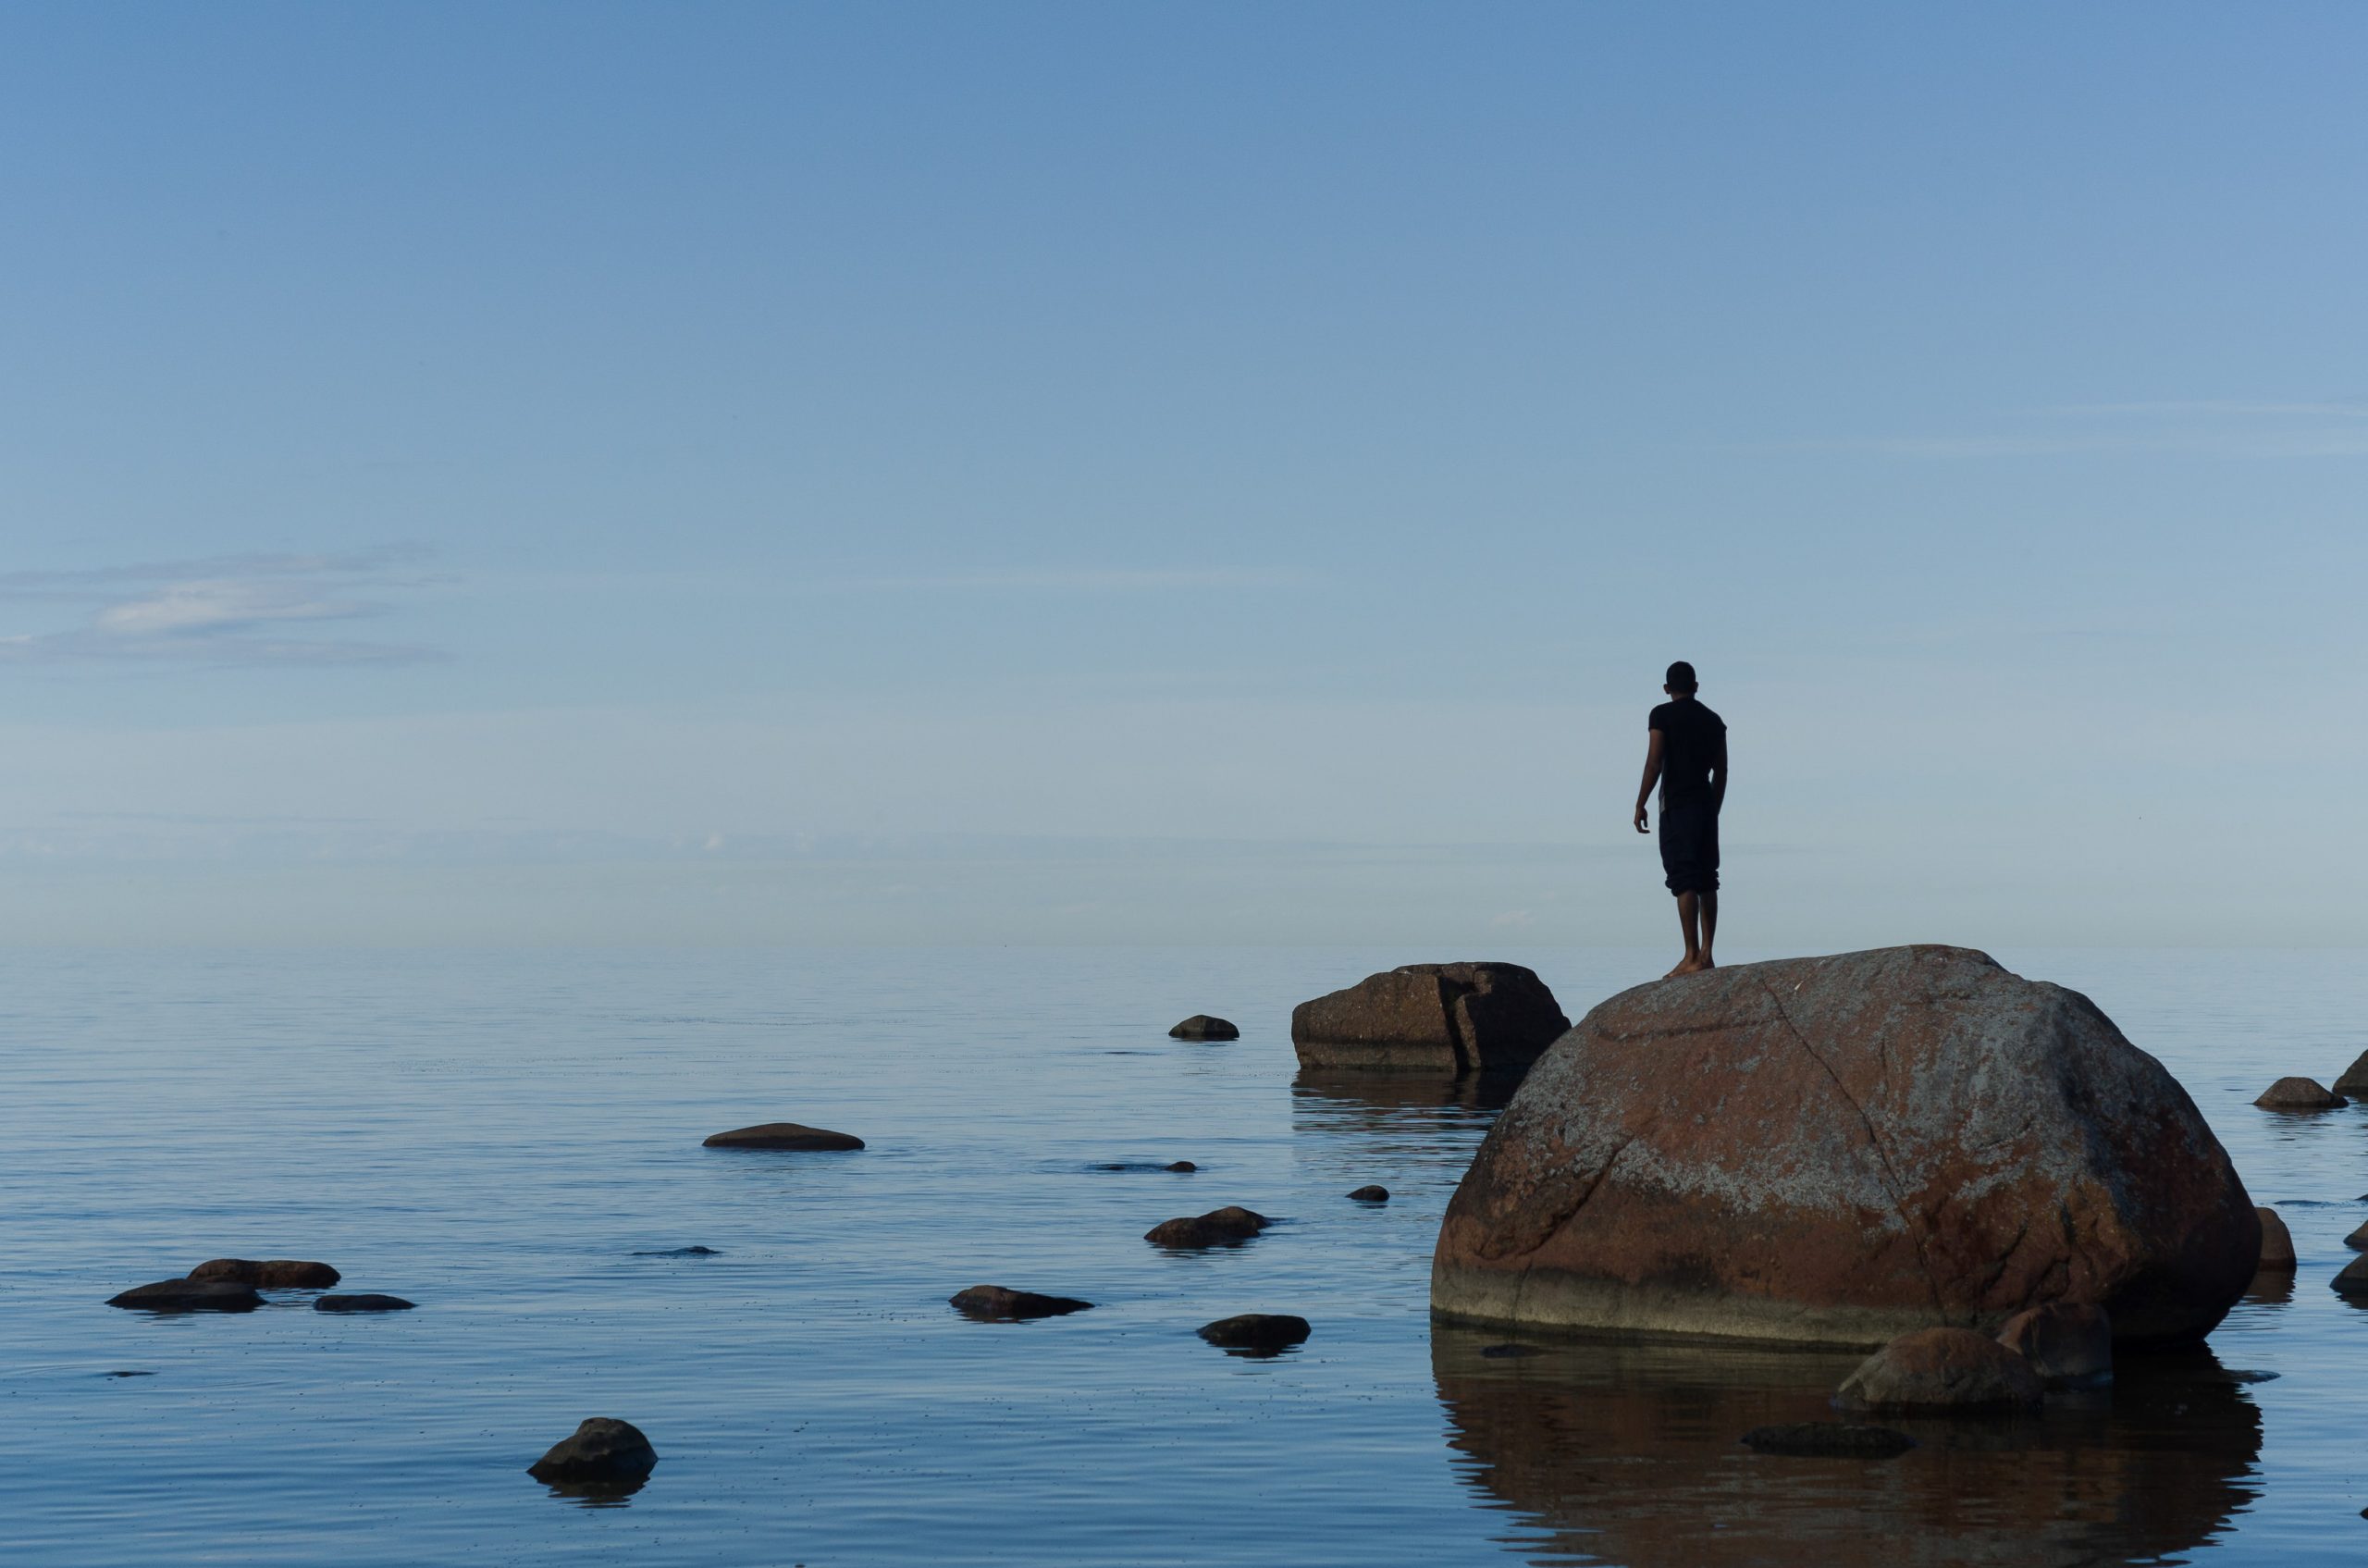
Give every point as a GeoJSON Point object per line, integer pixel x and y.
{"type": "Point", "coordinates": [899, 472]}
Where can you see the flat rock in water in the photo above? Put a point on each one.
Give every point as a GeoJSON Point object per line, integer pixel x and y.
{"type": "Point", "coordinates": [1941, 1370]}
{"type": "Point", "coordinates": [1373, 1194]}
{"type": "Point", "coordinates": [189, 1295]}
{"type": "Point", "coordinates": [1466, 1018]}
{"type": "Point", "coordinates": [681, 1252]}
{"type": "Point", "coordinates": [1179, 1165]}
{"type": "Point", "coordinates": [2278, 1243]}
{"type": "Point", "coordinates": [1199, 1026]}
{"type": "Point", "coordinates": [271, 1273]}
{"type": "Point", "coordinates": [996, 1304]}
{"type": "Point", "coordinates": [781, 1135]}
{"type": "Point", "coordinates": [2354, 1080]}
{"type": "Point", "coordinates": [1836, 1151]}
{"type": "Point", "coordinates": [2069, 1347]}
{"type": "Point", "coordinates": [1256, 1331]}
{"type": "Point", "coordinates": [1218, 1228]}
{"type": "Point", "coordinates": [600, 1450]}
{"type": "Point", "coordinates": [1829, 1439]}
{"type": "Point", "coordinates": [363, 1301]}
{"type": "Point", "coordinates": [2352, 1281]}
{"type": "Point", "coordinates": [2298, 1094]}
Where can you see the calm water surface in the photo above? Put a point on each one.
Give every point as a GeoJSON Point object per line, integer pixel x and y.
{"type": "Point", "coordinates": [500, 1137]}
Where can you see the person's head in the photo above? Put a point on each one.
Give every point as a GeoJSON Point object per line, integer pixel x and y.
{"type": "Point", "coordinates": [1680, 682]}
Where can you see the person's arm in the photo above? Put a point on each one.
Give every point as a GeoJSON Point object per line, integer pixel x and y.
{"type": "Point", "coordinates": [1718, 774]}
{"type": "Point", "coordinates": [1652, 777]}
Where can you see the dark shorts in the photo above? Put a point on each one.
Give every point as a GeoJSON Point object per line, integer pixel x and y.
{"type": "Point", "coordinates": [1690, 845]}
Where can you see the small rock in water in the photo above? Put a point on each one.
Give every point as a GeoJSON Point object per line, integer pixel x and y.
{"type": "Point", "coordinates": [363, 1301]}
{"type": "Point", "coordinates": [1829, 1439]}
{"type": "Point", "coordinates": [1218, 1228]}
{"type": "Point", "coordinates": [1376, 1194]}
{"type": "Point", "coordinates": [127, 1373]}
{"type": "Point", "coordinates": [189, 1295]}
{"type": "Point", "coordinates": [2358, 1239]}
{"type": "Point", "coordinates": [681, 1252]}
{"type": "Point", "coordinates": [995, 1304]}
{"type": "Point", "coordinates": [2354, 1080]}
{"type": "Point", "coordinates": [1182, 1165]}
{"type": "Point", "coordinates": [2353, 1280]}
{"type": "Point", "coordinates": [2298, 1094]}
{"type": "Point", "coordinates": [273, 1274]}
{"type": "Point", "coordinates": [1199, 1026]}
{"type": "Point", "coordinates": [1510, 1352]}
{"type": "Point", "coordinates": [2253, 1376]}
{"type": "Point", "coordinates": [2276, 1245]}
{"type": "Point", "coordinates": [781, 1135]}
{"type": "Point", "coordinates": [601, 1449]}
{"type": "Point", "coordinates": [1259, 1333]}
{"type": "Point", "coordinates": [1940, 1370]}
{"type": "Point", "coordinates": [2068, 1345]}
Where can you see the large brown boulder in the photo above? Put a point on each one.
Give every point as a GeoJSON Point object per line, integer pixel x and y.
{"type": "Point", "coordinates": [1842, 1150]}
{"type": "Point", "coordinates": [1470, 1018]}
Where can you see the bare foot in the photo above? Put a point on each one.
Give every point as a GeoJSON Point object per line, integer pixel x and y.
{"type": "Point", "coordinates": [1687, 965]}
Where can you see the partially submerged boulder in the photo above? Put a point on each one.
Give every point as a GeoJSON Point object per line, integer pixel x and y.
{"type": "Point", "coordinates": [1840, 1150]}
{"type": "Point", "coordinates": [1218, 1228]}
{"type": "Point", "coordinates": [1199, 1026]}
{"type": "Point", "coordinates": [1375, 1194]}
{"type": "Point", "coordinates": [2069, 1347]}
{"type": "Point", "coordinates": [2278, 1243]}
{"type": "Point", "coordinates": [600, 1450]}
{"type": "Point", "coordinates": [781, 1135]}
{"type": "Point", "coordinates": [2352, 1280]}
{"type": "Point", "coordinates": [189, 1295]}
{"type": "Point", "coordinates": [2298, 1094]}
{"type": "Point", "coordinates": [1260, 1333]}
{"type": "Point", "coordinates": [2354, 1080]}
{"type": "Point", "coordinates": [2358, 1239]}
{"type": "Point", "coordinates": [271, 1274]}
{"type": "Point", "coordinates": [997, 1304]}
{"type": "Point", "coordinates": [1468, 1018]}
{"type": "Point", "coordinates": [1942, 1369]}
{"type": "Point", "coordinates": [363, 1301]}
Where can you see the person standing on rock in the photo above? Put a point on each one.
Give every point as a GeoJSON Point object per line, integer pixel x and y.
{"type": "Point", "coordinates": [1687, 755]}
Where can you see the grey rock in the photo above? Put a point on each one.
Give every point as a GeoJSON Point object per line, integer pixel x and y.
{"type": "Point", "coordinates": [1447, 1018]}
{"type": "Point", "coordinates": [600, 1450]}
{"type": "Point", "coordinates": [2298, 1094]}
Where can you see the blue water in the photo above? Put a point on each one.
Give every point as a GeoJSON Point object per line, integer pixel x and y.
{"type": "Point", "coordinates": [497, 1135]}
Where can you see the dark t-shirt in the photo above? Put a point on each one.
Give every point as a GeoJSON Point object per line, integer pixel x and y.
{"type": "Point", "coordinates": [1691, 734]}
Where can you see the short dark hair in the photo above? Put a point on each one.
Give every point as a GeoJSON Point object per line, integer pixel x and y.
{"type": "Point", "coordinates": [1681, 677]}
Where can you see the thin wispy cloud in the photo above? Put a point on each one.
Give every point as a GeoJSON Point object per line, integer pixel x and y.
{"type": "Point", "coordinates": [252, 609]}
{"type": "Point", "coordinates": [1084, 579]}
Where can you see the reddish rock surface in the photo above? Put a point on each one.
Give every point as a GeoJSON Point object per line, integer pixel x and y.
{"type": "Point", "coordinates": [781, 1135]}
{"type": "Point", "coordinates": [2276, 1243]}
{"type": "Point", "coordinates": [1841, 1150]}
{"type": "Point", "coordinates": [1468, 1017]}
{"type": "Point", "coordinates": [1939, 1369]}
{"type": "Point", "coordinates": [999, 1303]}
{"type": "Point", "coordinates": [2068, 1346]}
{"type": "Point", "coordinates": [271, 1274]}
{"type": "Point", "coordinates": [1218, 1228]}
{"type": "Point", "coordinates": [2300, 1095]}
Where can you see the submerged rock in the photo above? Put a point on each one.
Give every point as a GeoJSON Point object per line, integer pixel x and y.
{"type": "Point", "coordinates": [1218, 1228]}
{"type": "Point", "coordinates": [997, 1304]}
{"type": "Point", "coordinates": [1828, 1439]}
{"type": "Point", "coordinates": [1942, 1369]}
{"type": "Point", "coordinates": [681, 1252]}
{"type": "Point", "coordinates": [601, 1449]}
{"type": "Point", "coordinates": [363, 1301]}
{"type": "Point", "coordinates": [2068, 1346]}
{"type": "Point", "coordinates": [781, 1135]}
{"type": "Point", "coordinates": [1180, 1166]}
{"type": "Point", "coordinates": [1839, 1150]}
{"type": "Point", "coordinates": [2298, 1094]}
{"type": "Point", "coordinates": [2276, 1243]}
{"type": "Point", "coordinates": [189, 1295]}
{"type": "Point", "coordinates": [1199, 1026]}
{"type": "Point", "coordinates": [1258, 1332]}
{"type": "Point", "coordinates": [1375, 1194]}
{"type": "Point", "coordinates": [1471, 1017]}
{"type": "Point", "coordinates": [273, 1274]}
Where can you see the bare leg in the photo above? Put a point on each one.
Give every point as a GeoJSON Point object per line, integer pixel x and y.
{"type": "Point", "coordinates": [1709, 927]}
{"type": "Point", "coordinates": [1689, 911]}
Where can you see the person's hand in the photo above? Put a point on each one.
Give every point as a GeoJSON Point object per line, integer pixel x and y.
{"type": "Point", "coordinates": [1640, 820]}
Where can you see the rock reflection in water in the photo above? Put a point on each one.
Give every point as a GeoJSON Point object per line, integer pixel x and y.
{"type": "Point", "coordinates": [1384, 1098]}
{"type": "Point", "coordinates": [1629, 1454]}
